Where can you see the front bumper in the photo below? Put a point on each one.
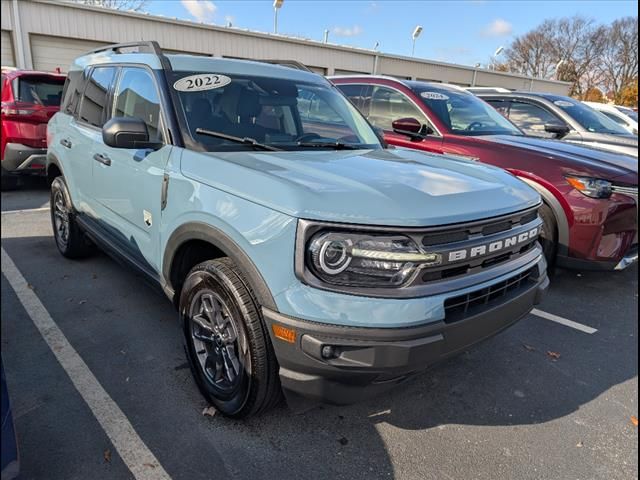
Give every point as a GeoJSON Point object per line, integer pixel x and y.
{"type": "Point", "coordinates": [342, 365]}
{"type": "Point", "coordinates": [21, 159]}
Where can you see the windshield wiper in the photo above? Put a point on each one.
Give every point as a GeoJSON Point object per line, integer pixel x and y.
{"type": "Point", "coordinates": [252, 142]}
{"type": "Point", "coordinates": [334, 145]}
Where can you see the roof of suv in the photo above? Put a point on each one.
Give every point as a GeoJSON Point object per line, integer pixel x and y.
{"type": "Point", "coordinates": [184, 62]}
{"type": "Point", "coordinates": [11, 72]}
{"type": "Point", "coordinates": [407, 83]}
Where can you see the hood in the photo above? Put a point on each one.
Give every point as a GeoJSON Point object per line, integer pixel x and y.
{"type": "Point", "coordinates": [626, 144]}
{"type": "Point", "coordinates": [615, 164]}
{"type": "Point", "coordinates": [395, 187]}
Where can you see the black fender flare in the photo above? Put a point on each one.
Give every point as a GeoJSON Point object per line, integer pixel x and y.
{"type": "Point", "coordinates": [219, 239]}
{"type": "Point", "coordinates": [53, 160]}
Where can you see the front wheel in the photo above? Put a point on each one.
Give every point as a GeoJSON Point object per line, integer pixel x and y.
{"type": "Point", "coordinates": [227, 344]}
{"type": "Point", "coordinates": [70, 239]}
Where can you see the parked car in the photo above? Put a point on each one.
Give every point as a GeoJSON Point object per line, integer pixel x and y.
{"type": "Point", "coordinates": [29, 100]}
{"type": "Point", "coordinates": [623, 116]}
{"type": "Point", "coordinates": [300, 254]}
{"type": "Point", "coordinates": [590, 196]}
{"type": "Point", "coordinates": [555, 116]}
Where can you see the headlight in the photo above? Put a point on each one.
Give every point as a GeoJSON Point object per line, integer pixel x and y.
{"type": "Point", "coordinates": [365, 260]}
{"type": "Point", "coordinates": [591, 187]}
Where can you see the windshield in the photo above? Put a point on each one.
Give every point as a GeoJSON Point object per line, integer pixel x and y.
{"type": "Point", "coordinates": [629, 113]}
{"type": "Point", "coordinates": [464, 113]}
{"type": "Point", "coordinates": [281, 113]}
{"type": "Point", "coordinates": [590, 119]}
{"type": "Point", "coordinates": [45, 91]}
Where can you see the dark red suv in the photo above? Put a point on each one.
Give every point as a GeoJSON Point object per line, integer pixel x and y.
{"type": "Point", "coordinates": [590, 196]}
{"type": "Point", "coordinates": [29, 100]}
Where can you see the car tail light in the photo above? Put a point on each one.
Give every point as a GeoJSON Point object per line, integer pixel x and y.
{"type": "Point", "coordinates": [23, 111]}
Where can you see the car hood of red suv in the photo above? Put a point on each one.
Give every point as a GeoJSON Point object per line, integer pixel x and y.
{"type": "Point", "coordinates": [612, 165]}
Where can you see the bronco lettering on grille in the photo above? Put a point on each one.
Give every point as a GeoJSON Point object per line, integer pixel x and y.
{"type": "Point", "coordinates": [479, 250]}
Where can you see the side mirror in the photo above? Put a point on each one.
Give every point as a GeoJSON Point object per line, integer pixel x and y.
{"type": "Point", "coordinates": [410, 127]}
{"type": "Point", "coordinates": [559, 130]}
{"type": "Point", "coordinates": [128, 132]}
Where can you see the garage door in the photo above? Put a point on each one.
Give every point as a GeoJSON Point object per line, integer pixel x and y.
{"type": "Point", "coordinates": [51, 52]}
{"type": "Point", "coordinates": [7, 50]}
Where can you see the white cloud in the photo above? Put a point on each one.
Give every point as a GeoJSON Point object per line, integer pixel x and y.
{"type": "Point", "coordinates": [498, 28]}
{"type": "Point", "coordinates": [347, 31]}
{"type": "Point", "coordinates": [201, 10]}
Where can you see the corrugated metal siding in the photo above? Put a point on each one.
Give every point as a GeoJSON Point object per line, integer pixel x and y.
{"type": "Point", "coordinates": [68, 20]}
{"type": "Point", "coordinates": [6, 21]}
{"type": "Point", "coordinates": [8, 60]}
{"type": "Point", "coordinates": [52, 52]}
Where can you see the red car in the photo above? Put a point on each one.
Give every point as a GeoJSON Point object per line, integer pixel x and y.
{"type": "Point", "coordinates": [29, 100]}
{"type": "Point", "coordinates": [590, 196]}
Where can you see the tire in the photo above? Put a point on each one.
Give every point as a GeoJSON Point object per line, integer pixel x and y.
{"type": "Point", "coordinates": [70, 239]}
{"type": "Point", "coordinates": [226, 341]}
{"type": "Point", "coordinates": [549, 235]}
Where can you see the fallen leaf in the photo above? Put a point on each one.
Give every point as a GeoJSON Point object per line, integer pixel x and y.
{"type": "Point", "coordinates": [150, 465]}
{"type": "Point", "coordinates": [343, 441]}
{"type": "Point", "coordinates": [634, 420]}
{"type": "Point", "coordinates": [529, 348]}
{"type": "Point", "coordinates": [82, 302]}
{"type": "Point", "coordinates": [554, 355]}
{"type": "Point", "coordinates": [107, 455]}
{"type": "Point", "coordinates": [580, 444]}
{"type": "Point", "coordinates": [30, 286]}
{"type": "Point", "coordinates": [126, 379]}
{"type": "Point", "coordinates": [209, 411]}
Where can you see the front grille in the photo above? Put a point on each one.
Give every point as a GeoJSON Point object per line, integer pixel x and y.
{"type": "Point", "coordinates": [469, 235]}
{"type": "Point", "coordinates": [463, 306]}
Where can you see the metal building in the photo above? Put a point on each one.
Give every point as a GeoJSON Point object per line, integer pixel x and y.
{"type": "Point", "coordinates": [48, 34]}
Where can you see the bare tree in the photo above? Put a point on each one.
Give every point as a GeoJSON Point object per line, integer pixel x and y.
{"type": "Point", "coordinates": [619, 62]}
{"type": "Point", "coordinates": [567, 49]}
{"type": "Point", "coordinates": [135, 5]}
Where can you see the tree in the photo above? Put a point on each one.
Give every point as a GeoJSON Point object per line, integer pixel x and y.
{"type": "Point", "coordinates": [619, 62]}
{"type": "Point", "coordinates": [565, 49]}
{"type": "Point", "coordinates": [629, 94]}
{"type": "Point", "coordinates": [594, 94]}
{"type": "Point", "coordinates": [135, 5]}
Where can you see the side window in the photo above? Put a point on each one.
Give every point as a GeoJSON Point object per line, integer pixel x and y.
{"type": "Point", "coordinates": [353, 93]}
{"type": "Point", "coordinates": [96, 93]}
{"type": "Point", "coordinates": [388, 105]}
{"type": "Point", "coordinates": [137, 96]}
{"type": "Point", "coordinates": [615, 118]}
{"type": "Point", "coordinates": [502, 106]}
{"type": "Point", "coordinates": [72, 92]}
{"type": "Point", "coordinates": [532, 118]}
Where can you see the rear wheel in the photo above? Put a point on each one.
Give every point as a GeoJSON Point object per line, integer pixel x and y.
{"type": "Point", "coordinates": [549, 234]}
{"type": "Point", "coordinates": [70, 239]}
{"type": "Point", "coordinates": [227, 344]}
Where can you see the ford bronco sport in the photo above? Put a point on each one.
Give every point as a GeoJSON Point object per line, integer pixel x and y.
{"type": "Point", "coordinates": [302, 256]}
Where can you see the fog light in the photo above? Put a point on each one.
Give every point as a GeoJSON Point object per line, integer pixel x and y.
{"type": "Point", "coordinates": [328, 352]}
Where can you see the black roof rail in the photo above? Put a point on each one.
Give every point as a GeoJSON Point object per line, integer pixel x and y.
{"type": "Point", "coordinates": [150, 46]}
{"type": "Point", "coordinates": [286, 63]}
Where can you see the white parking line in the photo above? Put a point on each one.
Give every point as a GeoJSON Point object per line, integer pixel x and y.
{"type": "Point", "coordinates": [135, 454]}
{"type": "Point", "coordinates": [564, 321]}
{"type": "Point", "coordinates": [28, 210]}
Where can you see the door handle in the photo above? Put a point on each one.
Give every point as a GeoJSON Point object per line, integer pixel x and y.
{"type": "Point", "coordinates": [65, 142]}
{"type": "Point", "coordinates": [103, 159]}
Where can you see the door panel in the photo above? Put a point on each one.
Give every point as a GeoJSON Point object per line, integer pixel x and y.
{"type": "Point", "coordinates": [128, 182]}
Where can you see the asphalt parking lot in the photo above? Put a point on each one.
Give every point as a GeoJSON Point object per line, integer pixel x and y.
{"type": "Point", "coordinates": [540, 401]}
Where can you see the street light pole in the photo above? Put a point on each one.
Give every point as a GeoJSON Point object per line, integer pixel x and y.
{"type": "Point", "coordinates": [416, 33]}
{"type": "Point", "coordinates": [498, 51]}
{"type": "Point", "coordinates": [277, 4]}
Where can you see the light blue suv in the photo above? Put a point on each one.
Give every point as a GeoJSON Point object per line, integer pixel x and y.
{"type": "Point", "coordinates": [303, 256]}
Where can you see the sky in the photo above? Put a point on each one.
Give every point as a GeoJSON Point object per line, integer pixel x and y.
{"type": "Point", "coordinates": [464, 31]}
